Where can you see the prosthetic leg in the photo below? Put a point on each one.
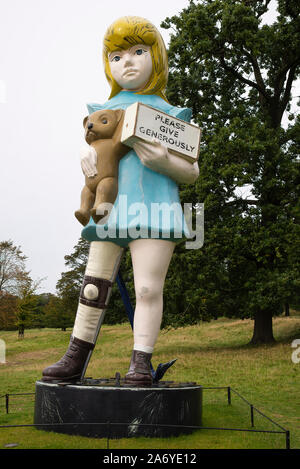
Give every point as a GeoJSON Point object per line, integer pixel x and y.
{"type": "Point", "coordinates": [101, 270]}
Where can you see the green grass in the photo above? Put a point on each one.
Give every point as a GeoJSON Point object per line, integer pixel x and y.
{"type": "Point", "coordinates": [212, 354]}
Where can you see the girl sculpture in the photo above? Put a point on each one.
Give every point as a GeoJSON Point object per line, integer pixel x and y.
{"type": "Point", "coordinates": [136, 68]}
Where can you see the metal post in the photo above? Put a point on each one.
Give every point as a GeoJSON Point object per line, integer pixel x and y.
{"type": "Point", "coordinates": [108, 435]}
{"type": "Point", "coordinates": [229, 395]}
{"type": "Point", "coordinates": [252, 415]}
{"type": "Point", "coordinates": [6, 402]}
{"type": "Point", "coordinates": [287, 440]}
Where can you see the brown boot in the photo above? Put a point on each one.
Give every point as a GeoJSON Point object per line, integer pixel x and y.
{"type": "Point", "coordinates": [139, 373]}
{"type": "Point", "coordinates": [71, 365]}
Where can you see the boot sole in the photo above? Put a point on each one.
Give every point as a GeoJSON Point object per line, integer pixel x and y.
{"type": "Point", "coordinates": [60, 380]}
{"type": "Point", "coordinates": [138, 383]}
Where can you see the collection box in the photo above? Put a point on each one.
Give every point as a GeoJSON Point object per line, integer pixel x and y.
{"type": "Point", "coordinates": [143, 122]}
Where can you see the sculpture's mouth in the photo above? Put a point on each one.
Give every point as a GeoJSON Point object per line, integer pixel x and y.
{"type": "Point", "coordinates": [90, 133]}
{"type": "Point", "coordinates": [129, 71]}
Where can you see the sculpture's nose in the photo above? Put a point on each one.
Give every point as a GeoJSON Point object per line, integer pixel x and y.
{"type": "Point", "coordinates": [90, 126]}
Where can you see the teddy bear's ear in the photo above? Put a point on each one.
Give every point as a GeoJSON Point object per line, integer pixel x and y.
{"type": "Point", "coordinates": [119, 113]}
{"type": "Point", "coordinates": [85, 120]}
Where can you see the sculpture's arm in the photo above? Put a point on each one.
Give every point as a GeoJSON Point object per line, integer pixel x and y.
{"type": "Point", "coordinates": [155, 156]}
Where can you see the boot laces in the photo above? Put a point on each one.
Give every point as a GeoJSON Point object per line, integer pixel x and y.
{"type": "Point", "coordinates": [141, 358]}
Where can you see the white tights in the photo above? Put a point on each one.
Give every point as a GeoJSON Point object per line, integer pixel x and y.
{"type": "Point", "coordinates": [150, 260]}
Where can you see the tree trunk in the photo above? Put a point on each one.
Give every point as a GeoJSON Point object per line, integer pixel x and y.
{"type": "Point", "coordinates": [21, 331]}
{"type": "Point", "coordinates": [287, 309]}
{"type": "Point", "coordinates": [263, 328]}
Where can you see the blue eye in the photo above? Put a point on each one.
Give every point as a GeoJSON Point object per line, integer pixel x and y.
{"type": "Point", "coordinates": [139, 51]}
{"type": "Point", "coordinates": [116, 58]}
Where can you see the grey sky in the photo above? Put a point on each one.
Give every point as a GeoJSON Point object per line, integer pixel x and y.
{"type": "Point", "coordinates": [50, 67]}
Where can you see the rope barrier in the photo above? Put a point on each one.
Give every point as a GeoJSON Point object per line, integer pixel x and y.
{"type": "Point", "coordinates": [229, 391]}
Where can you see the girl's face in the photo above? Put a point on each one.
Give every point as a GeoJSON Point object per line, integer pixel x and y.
{"type": "Point", "coordinates": [131, 68]}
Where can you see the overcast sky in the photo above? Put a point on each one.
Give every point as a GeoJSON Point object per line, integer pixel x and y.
{"type": "Point", "coordinates": [50, 67]}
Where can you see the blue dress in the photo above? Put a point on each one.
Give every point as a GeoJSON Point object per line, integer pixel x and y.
{"type": "Point", "coordinates": [147, 205]}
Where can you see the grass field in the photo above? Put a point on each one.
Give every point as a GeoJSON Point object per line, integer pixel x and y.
{"type": "Point", "coordinates": [212, 354]}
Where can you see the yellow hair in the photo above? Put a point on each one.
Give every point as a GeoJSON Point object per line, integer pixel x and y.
{"type": "Point", "coordinates": [127, 32]}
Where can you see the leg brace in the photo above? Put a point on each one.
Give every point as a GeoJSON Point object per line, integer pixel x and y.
{"type": "Point", "coordinates": [95, 292]}
{"type": "Point", "coordinates": [101, 271]}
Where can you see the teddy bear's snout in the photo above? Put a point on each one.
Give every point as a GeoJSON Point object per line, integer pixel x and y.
{"type": "Point", "coordinates": [90, 126]}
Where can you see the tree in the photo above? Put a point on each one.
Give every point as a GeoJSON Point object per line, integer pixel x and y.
{"type": "Point", "coordinates": [237, 75]}
{"type": "Point", "coordinates": [55, 314]}
{"type": "Point", "coordinates": [8, 308]}
{"type": "Point", "coordinates": [27, 305]}
{"type": "Point", "coordinates": [12, 267]}
{"type": "Point", "coordinates": [38, 319]}
{"type": "Point", "coordinates": [16, 286]}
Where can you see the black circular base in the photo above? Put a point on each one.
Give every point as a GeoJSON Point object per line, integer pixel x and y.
{"type": "Point", "coordinates": [103, 408]}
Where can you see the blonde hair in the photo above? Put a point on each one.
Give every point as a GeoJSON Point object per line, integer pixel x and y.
{"type": "Point", "coordinates": [127, 32]}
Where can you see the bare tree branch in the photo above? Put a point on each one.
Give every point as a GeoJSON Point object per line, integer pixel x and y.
{"type": "Point", "coordinates": [241, 77]}
{"type": "Point", "coordinates": [288, 87]}
{"type": "Point", "coordinates": [281, 77]}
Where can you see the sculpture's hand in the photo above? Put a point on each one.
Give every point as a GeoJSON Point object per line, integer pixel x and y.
{"type": "Point", "coordinates": [88, 160]}
{"type": "Point", "coordinates": [153, 154]}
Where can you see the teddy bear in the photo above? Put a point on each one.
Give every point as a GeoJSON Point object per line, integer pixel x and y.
{"type": "Point", "coordinates": [103, 131]}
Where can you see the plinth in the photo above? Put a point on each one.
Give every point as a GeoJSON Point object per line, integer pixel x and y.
{"type": "Point", "coordinates": [108, 408]}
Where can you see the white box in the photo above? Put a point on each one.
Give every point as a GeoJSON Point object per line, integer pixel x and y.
{"type": "Point", "coordinates": [142, 122]}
